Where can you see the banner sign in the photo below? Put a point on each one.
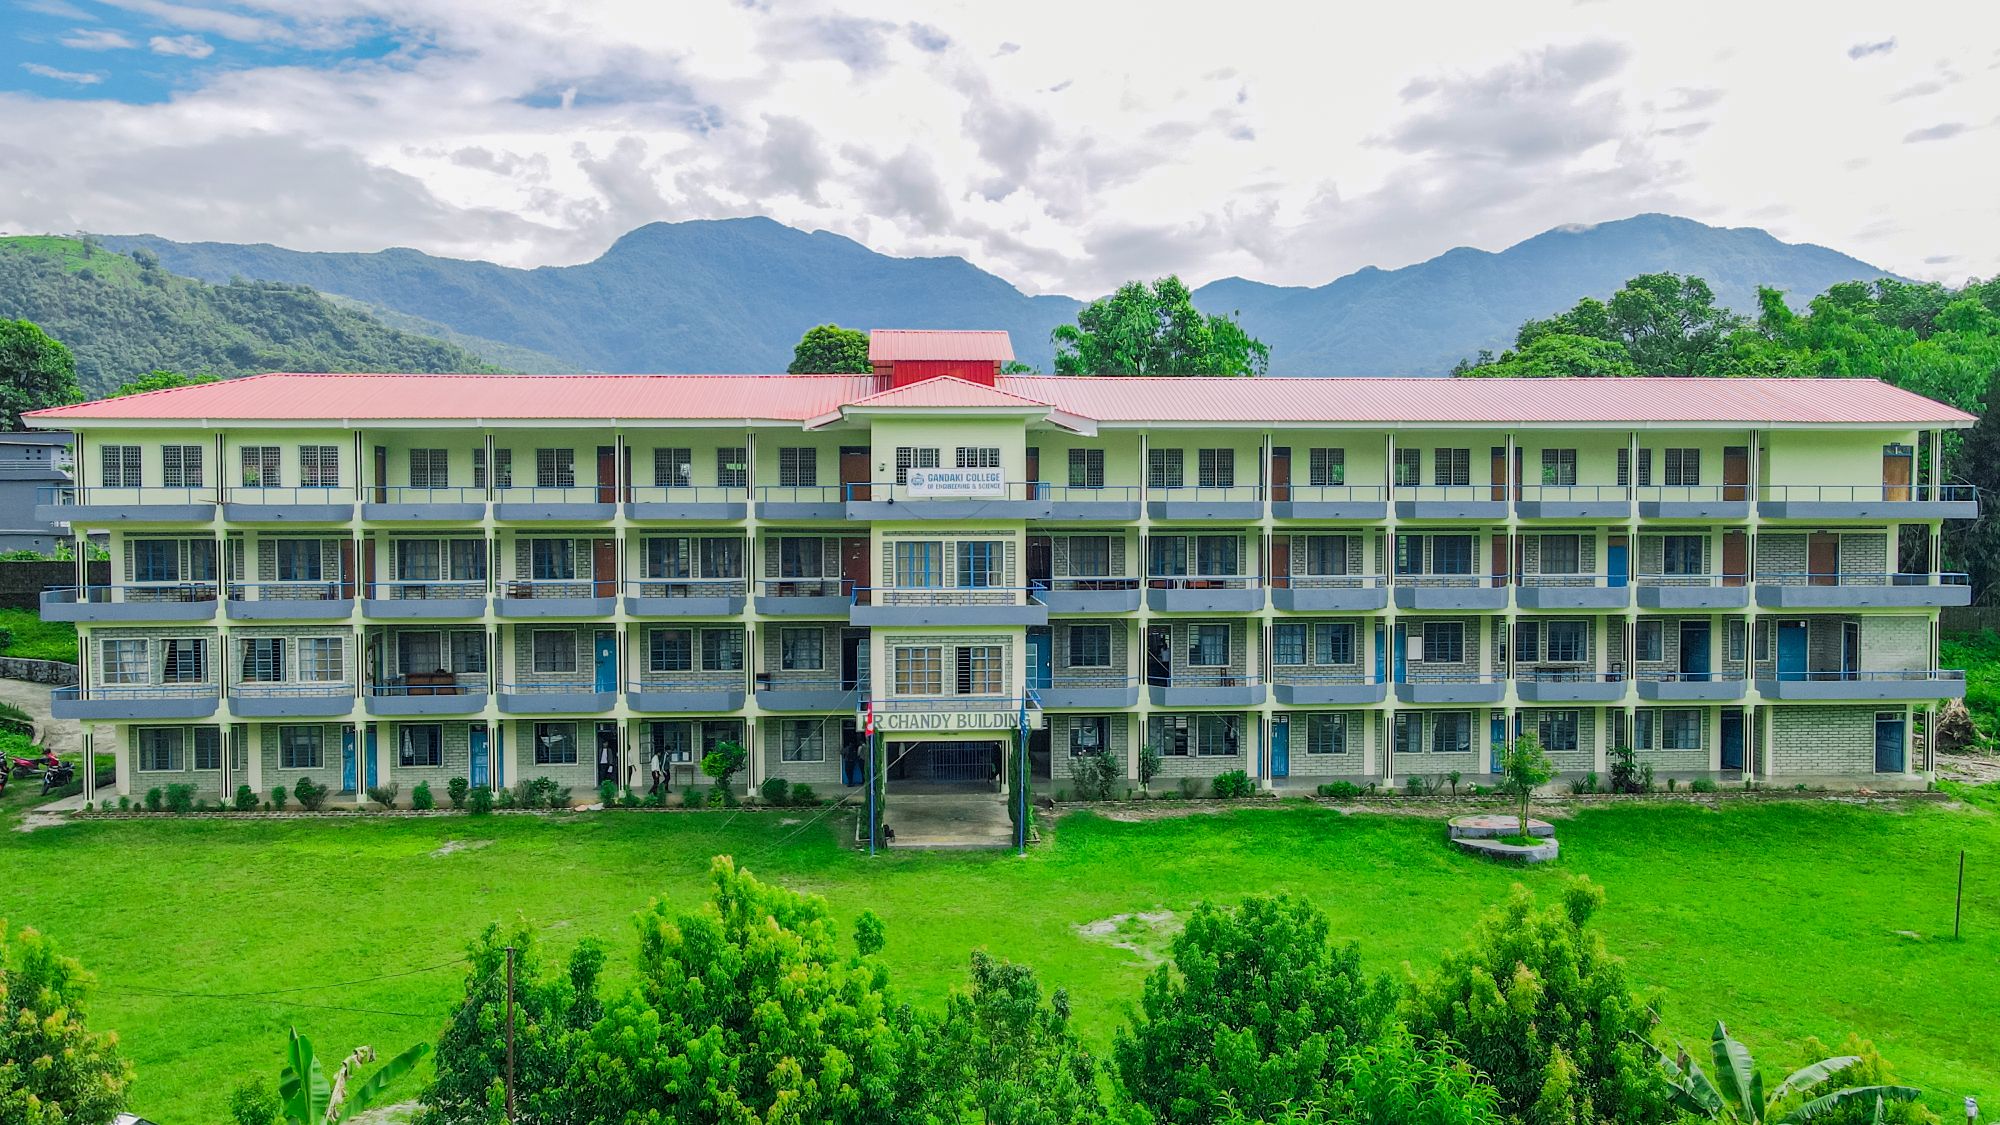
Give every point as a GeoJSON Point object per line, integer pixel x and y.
{"type": "Point", "coordinates": [893, 722]}
{"type": "Point", "coordinates": [956, 482]}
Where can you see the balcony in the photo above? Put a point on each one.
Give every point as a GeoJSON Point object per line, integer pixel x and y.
{"type": "Point", "coordinates": [1092, 692]}
{"type": "Point", "coordinates": [133, 602]}
{"type": "Point", "coordinates": [691, 502]}
{"type": "Point", "coordinates": [291, 700]}
{"type": "Point", "coordinates": [1695, 502]}
{"type": "Point", "coordinates": [288, 505]}
{"type": "Point", "coordinates": [1109, 504]}
{"type": "Point", "coordinates": [405, 601]}
{"type": "Point", "coordinates": [1241, 502]}
{"type": "Point", "coordinates": [1693, 591]}
{"type": "Point", "coordinates": [685, 597]}
{"type": "Point", "coordinates": [800, 502]}
{"type": "Point", "coordinates": [1420, 686]}
{"type": "Point", "coordinates": [1297, 687]}
{"type": "Point", "coordinates": [1821, 502]}
{"type": "Point", "coordinates": [1845, 590]}
{"type": "Point", "coordinates": [1191, 688]}
{"type": "Point", "coordinates": [555, 597]}
{"type": "Point", "coordinates": [1596, 502]}
{"type": "Point", "coordinates": [402, 504]}
{"type": "Point", "coordinates": [1689, 687]}
{"type": "Point", "coordinates": [1557, 684]}
{"type": "Point", "coordinates": [1450, 502]}
{"type": "Point", "coordinates": [428, 693]}
{"type": "Point", "coordinates": [289, 601]}
{"type": "Point", "coordinates": [586, 504]}
{"type": "Point", "coordinates": [164, 701]}
{"type": "Point", "coordinates": [96, 507]}
{"type": "Point", "coordinates": [1362, 502]}
{"type": "Point", "coordinates": [1204, 593]}
{"type": "Point", "coordinates": [1330, 593]}
{"type": "Point", "coordinates": [679, 695]}
{"type": "Point", "coordinates": [1450, 592]}
{"type": "Point", "coordinates": [804, 597]}
{"type": "Point", "coordinates": [555, 697]}
{"type": "Point", "coordinates": [1874, 686]}
{"type": "Point", "coordinates": [1573, 591]}
{"type": "Point", "coordinates": [949, 494]}
{"type": "Point", "coordinates": [947, 713]}
{"type": "Point", "coordinates": [788, 694]}
{"type": "Point", "coordinates": [1090, 595]}
{"type": "Point", "coordinates": [982, 606]}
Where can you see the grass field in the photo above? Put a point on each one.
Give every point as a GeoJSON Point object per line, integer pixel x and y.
{"type": "Point", "coordinates": [1786, 919]}
{"type": "Point", "coordinates": [31, 638]}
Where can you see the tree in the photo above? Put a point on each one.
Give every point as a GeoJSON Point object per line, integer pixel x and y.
{"type": "Point", "coordinates": [53, 1068]}
{"type": "Point", "coordinates": [1016, 1058]}
{"type": "Point", "coordinates": [831, 350]}
{"type": "Point", "coordinates": [253, 1102]}
{"type": "Point", "coordinates": [1524, 768]}
{"type": "Point", "coordinates": [1257, 1007]}
{"type": "Point", "coordinates": [1974, 545]}
{"type": "Point", "coordinates": [36, 372]}
{"type": "Point", "coordinates": [1540, 1007]}
{"type": "Point", "coordinates": [1155, 330]}
{"type": "Point", "coordinates": [307, 1097]}
{"type": "Point", "coordinates": [1736, 1093]}
{"type": "Point", "coordinates": [721, 763]}
{"type": "Point", "coordinates": [1554, 354]}
{"type": "Point", "coordinates": [160, 381]}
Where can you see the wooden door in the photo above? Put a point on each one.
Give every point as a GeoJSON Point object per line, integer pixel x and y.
{"type": "Point", "coordinates": [854, 578]}
{"type": "Point", "coordinates": [1500, 560]}
{"type": "Point", "coordinates": [381, 475]}
{"type": "Point", "coordinates": [368, 568]}
{"type": "Point", "coordinates": [1823, 558]}
{"type": "Point", "coordinates": [604, 568]}
{"type": "Point", "coordinates": [1281, 561]}
{"type": "Point", "coordinates": [854, 473]}
{"type": "Point", "coordinates": [607, 474]}
{"type": "Point", "coordinates": [1041, 561]}
{"type": "Point", "coordinates": [1735, 558]}
{"type": "Point", "coordinates": [346, 568]}
{"type": "Point", "coordinates": [1281, 473]}
{"type": "Point", "coordinates": [1736, 472]}
{"type": "Point", "coordinates": [1034, 466]}
{"type": "Point", "coordinates": [1499, 473]}
{"type": "Point", "coordinates": [625, 478]}
{"type": "Point", "coordinates": [1896, 460]}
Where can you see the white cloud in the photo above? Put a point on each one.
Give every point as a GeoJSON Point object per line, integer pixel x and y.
{"type": "Point", "coordinates": [183, 46]}
{"type": "Point", "coordinates": [95, 39]}
{"type": "Point", "coordinates": [78, 77]}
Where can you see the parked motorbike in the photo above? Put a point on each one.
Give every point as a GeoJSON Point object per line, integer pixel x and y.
{"type": "Point", "coordinates": [29, 767]}
{"type": "Point", "coordinates": [57, 776]}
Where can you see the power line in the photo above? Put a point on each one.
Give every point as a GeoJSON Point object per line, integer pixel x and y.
{"type": "Point", "coordinates": [241, 999]}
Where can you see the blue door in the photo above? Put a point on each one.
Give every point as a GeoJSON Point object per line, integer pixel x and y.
{"type": "Point", "coordinates": [479, 757]}
{"type": "Point", "coordinates": [1614, 565]}
{"type": "Point", "coordinates": [1499, 741]}
{"type": "Point", "coordinates": [368, 758]}
{"type": "Point", "coordinates": [1402, 663]}
{"type": "Point", "coordinates": [499, 755]}
{"type": "Point", "coordinates": [347, 760]}
{"type": "Point", "coordinates": [1040, 674]}
{"type": "Point", "coordinates": [1732, 740]}
{"type": "Point", "coordinates": [1694, 650]}
{"type": "Point", "coordinates": [607, 661]}
{"type": "Point", "coordinates": [1281, 747]}
{"type": "Point", "coordinates": [1791, 650]}
{"type": "Point", "coordinates": [1381, 651]}
{"type": "Point", "coordinates": [1888, 743]}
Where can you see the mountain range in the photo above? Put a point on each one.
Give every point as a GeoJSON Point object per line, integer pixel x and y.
{"type": "Point", "coordinates": [734, 295]}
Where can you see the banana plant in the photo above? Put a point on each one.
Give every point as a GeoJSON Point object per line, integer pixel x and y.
{"type": "Point", "coordinates": [306, 1097]}
{"type": "Point", "coordinates": [1736, 1093]}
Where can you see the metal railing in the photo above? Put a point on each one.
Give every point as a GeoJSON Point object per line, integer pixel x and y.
{"type": "Point", "coordinates": [799, 493]}
{"type": "Point", "coordinates": [1582, 493]}
{"type": "Point", "coordinates": [685, 587]}
{"type": "Point", "coordinates": [701, 681]}
{"type": "Point", "coordinates": [583, 686]}
{"type": "Point", "coordinates": [1547, 581]}
{"type": "Point", "coordinates": [428, 589]}
{"type": "Point", "coordinates": [399, 687]}
{"type": "Point", "coordinates": [411, 494]}
{"type": "Point", "coordinates": [1863, 578]}
{"type": "Point", "coordinates": [289, 494]}
{"type": "Point", "coordinates": [1691, 579]}
{"type": "Point", "coordinates": [1204, 581]}
{"type": "Point", "coordinates": [1880, 675]}
{"type": "Point", "coordinates": [141, 691]}
{"type": "Point", "coordinates": [121, 496]}
{"type": "Point", "coordinates": [291, 689]}
{"type": "Point", "coordinates": [1086, 494]}
{"type": "Point", "coordinates": [1566, 675]}
{"type": "Point", "coordinates": [1086, 584]}
{"type": "Point", "coordinates": [1450, 492]}
{"type": "Point", "coordinates": [822, 587]}
{"type": "Point", "coordinates": [946, 595]}
{"type": "Point", "coordinates": [1203, 678]}
{"type": "Point", "coordinates": [1432, 579]}
{"type": "Point", "coordinates": [893, 493]}
{"type": "Point", "coordinates": [1860, 493]}
{"type": "Point", "coordinates": [563, 494]}
{"type": "Point", "coordinates": [315, 590]}
{"type": "Point", "coordinates": [1207, 493]}
{"type": "Point", "coordinates": [1693, 492]}
{"type": "Point", "coordinates": [1298, 581]}
{"type": "Point", "coordinates": [527, 589]}
{"type": "Point", "coordinates": [1329, 493]}
{"type": "Point", "coordinates": [1690, 677]}
{"type": "Point", "coordinates": [132, 593]}
{"type": "Point", "coordinates": [686, 494]}
{"type": "Point", "coordinates": [1415, 672]}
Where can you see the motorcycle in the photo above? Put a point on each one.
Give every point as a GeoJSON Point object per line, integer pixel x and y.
{"type": "Point", "coordinates": [57, 776]}
{"type": "Point", "coordinates": [29, 767]}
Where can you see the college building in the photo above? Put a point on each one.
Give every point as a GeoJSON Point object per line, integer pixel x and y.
{"type": "Point", "coordinates": [362, 579]}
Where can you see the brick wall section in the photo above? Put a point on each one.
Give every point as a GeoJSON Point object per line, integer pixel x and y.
{"type": "Point", "coordinates": [1581, 760]}
{"type": "Point", "coordinates": [455, 745]}
{"type": "Point", "coordinates": [207, 783]}
{"type": "Point", "coordinates": [22, 583]}
{"type": "Point", "coordinates": [1061, 760]}
{"type": "Point", "coordinates": [580, 777]}
{"type": "Point", "coordinates": [329, 771]}
{"type": "Point", "coordinates": [1822, 741]}
{"type": "Point", "coordinates": [1174, 766]}
{"type": "Point", "coordinates": [823, 775]}
{"type": "Point", "coordinates": [1347, 762]}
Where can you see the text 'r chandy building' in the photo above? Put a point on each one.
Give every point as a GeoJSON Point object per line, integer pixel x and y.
{"type": "Point", "coordinates": [366, 578]}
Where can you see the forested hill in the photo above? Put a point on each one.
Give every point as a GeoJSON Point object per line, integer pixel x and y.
{"type": "Point", "coordinates": [124, 316]}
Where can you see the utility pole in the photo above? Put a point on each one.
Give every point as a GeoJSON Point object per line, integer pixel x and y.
{"type": "Point", "coordinates": [510, 1035]}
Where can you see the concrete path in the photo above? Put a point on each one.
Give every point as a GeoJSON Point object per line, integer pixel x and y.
{"type": "Point", "coordinates": [938, 820]}
{"type": "Point", "coordinates": [64, 736]}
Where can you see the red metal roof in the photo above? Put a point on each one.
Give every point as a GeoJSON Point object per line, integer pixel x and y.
{"type": "Point", "coordinates": [892, 345]}
{"type": "Point", "coordinates": [947, 392]}
{"type": "Point", "coordinates": [1162, 401]}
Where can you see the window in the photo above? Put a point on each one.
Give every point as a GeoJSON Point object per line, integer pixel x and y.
{"type": "Point", "coordinates": [207, 748]}
{"type": "Point", "coordinates": [298, 560]}
{"type": "Point", "coordinates": [420, 746]}
{"type": "Point", "coordinates": [300, 748]}
{"type": "Point", "coordinates": [802, 650]}
{"type": "Point", "coordinates": [669, 650]}
{"type": "Point", "coordinates": [1326, 554]}
{"type": "Point", "coordinates": [1089, 734]}
{"type": "Point", "coordinates": [1557, 730]}
{"type": "Point", "coordinates": [1090, 646]}
{"type": "Point", "coordinates": [1559, 467]}
{"type": "Point", "coordinates": [732, 467]}
{"type": "Point", "coordinates": [555, 468]}
{"type": "Point", "coordinates": [721, 650]}
{"type": "Point", "coordinates": [1527, 642]}
{"type": "Point", "coordinates": [1409, 733]}
{"type": "Point", "coordinates": [1683, 468]}
{"type": "Point", "coordinates": [181, 466]}
{"type": "Point", "coordinates": [1562, 554]}
{"type": "Point", "coordinates": [673, 468]}
{"type": "Point", "coordinates": [1734, 641]}
{"type": "Point", "coordinates": [1326, 734]}
{"type": "Point", "coordinates": [1172, 734]}
{"type": "Point", "coordinates": [1086, 468]}
{"type": "Point", "coordinates": [979, 564]}
{"type": "Point", "coordinates": [1569, 642]}
{"type": "Point", "coordinates": [1163, 468]}
{"type": "Point", "coordinates": [1288, 644]}
{"type": "Point", "coordinates": [430, 468]}
{"type": "Point", "coordinates": [187, 660]}
{"type": "Point", "coordinates": [1684, 554]}
{"type": "Point", "coordinates": [1624, 468]}
{"type": "Point", "coordinates": [1166, 555]}
{"type": "Point", "coordinates": [155, 560]}
{"type": "Point", "coordinates": [260, 466]}
{"type": "Point", "coordinates": [319, 466]}
{"type": "Point", "coordinates": [503, 468]}
{"type": "Point", "coordinates": [1217, 468]}
{"type": "Point", "coordinates": [918, 564]}
{"type": "Point", "coordinates": [263, 660]}
{"type": "Point", "coordinates": [120, 465]}
{"type": "Point", "coordinates": [798, 467]}
{"type": "Point", "coordinates": [914, 457]}
{"type": "Point", "coordinates": [1451, 732]}
{"type": "Point", "coordinates": [1333, 642]}
{"type": "Point", "coordinates": [1327, 466]}
{"type": "Point", "coordinates": [1215, 736]}
{"type": "Point", "coordinates": [1409, 554]}
{"type": "Point", "coordinates": [799, 557]}
{"type": "Point", "coordinates": [919, 670]}
{"type": "Point", "coordinates": [420, 652]}
{"type": "Point", "coordinates": [804, 740]}
{"type": "Point", "coordinates": [1090, 556]}
{"type": "Point", "coordinates": [468, 652]}
{"type": "Point", "coordinates": [322, 659]}
{"type": "Point", "coordinates": [721, 558]}
{"type": "Point", "coordinates": [551, 560]}
{"type": "Point", "coordinates": [417, 560]}
{"type": "Point", "coordinates": [555, 744]}
{"type": "Point", "coordinates": [1645, 467]}
{"type": "Point", "coordinates": [201, 559]}
{"type": "Point", "coordinates": [1680, 729]}
{"type": "Point", "coordinates": [1648, 642]}
{"type": "Point", "coordinates": [1409, 467]}
{"type": "Point", "coordinates": [1208, 646]}
{"type": "Point", "coordinates": [978, 456]}
{"type": "Point", "coordinates": [669, 742]}
{"type": "Point", "coordinates": [553, 650]}
{"type": "Point", "coordinates": [981, 670]}
{"type": "Point", "coordinates": [1451, 554]}
{"type": "Point", "coordinates": [1444, 642]}
{"type": "Point", "coordinates": [1218, 555]}
{"type": "Point", "coordinates": [1451, 466]}
{"type": "Point", "coordinates": [160, 749]}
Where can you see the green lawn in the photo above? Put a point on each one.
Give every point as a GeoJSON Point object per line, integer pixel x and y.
{"type": "Point", "coordinates": [32, 638]}
{"type": "Point", "coordinates": [1784, 918]}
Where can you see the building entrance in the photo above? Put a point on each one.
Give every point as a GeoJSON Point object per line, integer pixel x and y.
{"type": "Point", "coordinates": [916, 767]}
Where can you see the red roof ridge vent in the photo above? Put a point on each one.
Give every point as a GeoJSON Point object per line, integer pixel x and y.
{"type": "Point", "coordinates": [910, 355]}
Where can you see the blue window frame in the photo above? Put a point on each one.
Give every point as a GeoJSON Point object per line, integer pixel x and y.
{"type": "Point", "coordinates": [1451, 554]}
{"type": "Point", "coordinates": [917, 564]}
{"type": "Point", "coordinates": [156, 560]}
{"type": "Point", "coordinates": [1288, 644]}
{"type": "Point", "coordinates": [1333, 643]}
{"type": "Point", "coordinates": [979, 564]}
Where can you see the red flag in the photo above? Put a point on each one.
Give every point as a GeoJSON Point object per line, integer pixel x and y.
{"type": "Point", "coordinates": [868, 724]}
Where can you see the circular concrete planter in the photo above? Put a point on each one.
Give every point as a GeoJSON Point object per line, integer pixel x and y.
{"type": "Point", "coordinates": [1541, 852]}
{"type": "Point", "coordinates": [1480, 835]}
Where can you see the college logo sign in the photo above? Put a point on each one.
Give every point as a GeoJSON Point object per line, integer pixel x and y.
{"type": "Point", "coordinates": [956, 482]}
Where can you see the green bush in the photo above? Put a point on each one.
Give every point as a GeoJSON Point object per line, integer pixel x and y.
{"type": "Point", "coordinates": [1190, 787]}
{"type": "Point", "coordinates": [630, 799]}
{"type": "Point", "coordinates": [421, 799]}
{"type": "Point", "coordinates": [253, 1102]}
{"type": "Point", "coordinates": [15, 744]}
{"type": "Point", "coordinates": [775, 790]}
{"type": "Point", "coordinates": [386, 793]}
{"type": "Point", "coordinates": [802, 794]}
{"type": "Point", "coordinates": [692, 797]}
{"type": "Point", "coordinates": [505, 797]}
{"type": "Point", "coordinates": [180, 798]}
{"type": "Point", "coordinates": [546, 793]}
{"type": "Point", "coordinates": [456, 790]}
{"type": "Point", "coordinates": [311, 795]}
{"type": "Point", "coordinates": [1231, 783]}
{"type": "Point", "coordinates": [154, 799]}
{"type": "Point", "coordinates": [607, 793]}
{"type": "Point", "coordinates": [1625, 770]}
{"type": "Point", "coordinates": [12, 716]}
{"type": "Point", "coordinates": [480, 799]}
{"type": "Point", "coordinates": [1340, 790]}
{"type": "Point", "coordinates": [1702, 785]}
{"type": "Point", "coordinates": [1095, 774]}
{"type": "Point", "coordinates": [1585, 784]}
{"type": "Point", "coordinates": [246, 799]}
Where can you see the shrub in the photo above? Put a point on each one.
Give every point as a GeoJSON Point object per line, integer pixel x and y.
{"type": "Point", "coordinates": [630, 799]}
{"type": "Point", "coordinates": [56, 1068]}
{"type": "Point", "coordinates": [253, 1102]}
{"type": "Point", "coordinates": [1624, 770]}
{"type": "Point", "coordinates": [1702, 785]}
{"type": "Point", "coordinates": [607, 793]}
{"type": "Point", "coordinates": [691, 797]}
{"type": "Point", "coordinates": [386, 793]}
{"type": "Point", "coordinates": [563, 798]}
{"type": "Point", "coordinates": [180, 798]}
{"type": "Point", "coordinates": [124, 803]}
{"type": "Point", "coordinates": [870, 935]}
{"type": "Point", "coordinates": [1149, 766]}
{"type": "Point", "coordinates": [246, 798]}
{"type": "Point", "coordinates": [1340, 790]}
{"type": "Point", "coordinates": [802, 794]}
{"type": "Point", "coordinates": [480, 799]}
{"type": "Point", "coordinates": [1454, 777]}
{"type": "Point", "coordinates": [310, 794]}
{"type": "Point", "coordinates": [1231, 783]}
{"type": "Point", "coordinates": [278, 795]}
{"type": "Point", "coordinates": [1585, 784]}
{"type": "Point", "coordinates": [1417, 785]}
{"type": "Point", "coordinates": [421, 798]}
{"type": "Point", "coordinates": [1646, 778]}
{"type": "Point", "coordinates": [456, 790]}
{"type": "Point", "coordinates": [1190, 787]}
{"type": "Point", "coordinates": [1013, 1052]}
{"type": "Point", "coordinates": [1095, 774]}
{"type": "Point", "coordinates": [154, 799]}
{"type": "Point", "coordinates": [546, 794]}
{"type": "Point", "coordinates": [722, 762]}
{"type": "Point", "coordinates": [775, 790]}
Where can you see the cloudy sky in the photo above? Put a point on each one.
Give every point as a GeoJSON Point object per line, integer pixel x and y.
{"type": "Point", "coordinates": [1063, 145]}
